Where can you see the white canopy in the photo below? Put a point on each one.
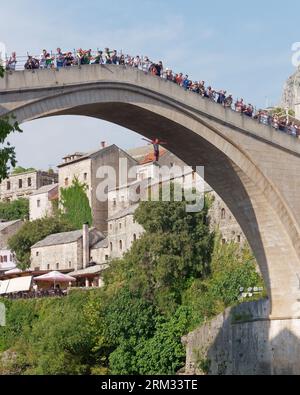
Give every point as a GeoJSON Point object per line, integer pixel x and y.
{"type": "Point", "coordinates": [14, 271]}
{"type": "Point", "coordinates": [3, 287]}
{"type": "Point", "coordinates": [21, 284]}
{"type": "Point", "coordinates": [55, 277]}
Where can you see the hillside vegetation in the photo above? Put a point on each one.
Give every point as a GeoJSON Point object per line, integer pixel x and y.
{"type": "Point", "coordinates": [176, 277]}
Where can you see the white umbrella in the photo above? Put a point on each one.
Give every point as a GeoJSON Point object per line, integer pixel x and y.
{"type": "Point", "coordinates": [55, 277]}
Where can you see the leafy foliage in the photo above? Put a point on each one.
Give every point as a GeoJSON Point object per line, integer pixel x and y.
{"type": "Point", "coordinates": [282, 111]}
{"type": "Point", "coordinates": [8, 125]}
{"type": "Point", "coordinates": [17, 209]}
{"type": "Point", "coordinates": [76, 206]}
{"type": "Point", "coordinates": [33, 232]}
{"type": "Point", "coordinates": [19, 170]}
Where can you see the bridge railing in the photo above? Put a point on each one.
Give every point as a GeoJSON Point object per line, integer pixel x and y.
{"type": "Point", "coordinates": [54, 60]}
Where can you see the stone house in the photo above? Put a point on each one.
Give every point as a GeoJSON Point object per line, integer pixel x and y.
{"type": "Point", "coordinates": [65, 251]}
{"type": "Point", "coordinates": [41, 202]}
{"type": "Point", "coordinates": [220, 216]}
{"type": "Point", "coordinates": [123, 231]}
{"type": "Point", "coordinates": [25, 184]}
{"type": "Point", "coordinates": [86, 168]}
{"type": "Point", "coordinates": [7, 230]}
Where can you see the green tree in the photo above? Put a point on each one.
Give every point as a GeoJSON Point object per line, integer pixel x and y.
{"type": "Point", "coordinates": [17, 209]}
{"type": "Point", "coordinates": [33, 232]}
{"type": "Point", "coordinates": [282, 112]}
{"type": "Point", "coordinates": [177, 276]}
{"type": "Point", "coordinates": [76, 206]}
{"type": "Point", "coordinates": [8, 125]}
{"type": "Point", "coordinates": [19, 170]}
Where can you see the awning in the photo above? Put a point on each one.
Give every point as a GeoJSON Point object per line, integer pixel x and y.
{"type": "Point", "coordinates": [21, 284]}
{"type": "Point", "coordinates": [89, 271]}
{"type": "Point", "coordinates": [3, 286]}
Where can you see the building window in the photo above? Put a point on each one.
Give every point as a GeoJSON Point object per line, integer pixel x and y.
{"type": "Point", "coordinates": [111, 246]}
{"type": "Point", "coordinates": [38, 203]}
{"type": "Point", "coordinates": [134, 237]}
{"type": "Point", "coordinates": [120, 225]}
{"type": "Point", "coordinates": [239, 239]}
{"type": "Point", "coordinates": [5, 259]}
{"type": "Point", "coordinates": [1, 259]}
{"type": "Point", "coordinates": [20, 184]}
{"type": "Point", "coordinates": [37, 253]}
{"type": "Point", "coordinates": [121, 245]}
{"type": "Point", "coordinates": [57, 266]}
{"type": "Point", "coordinates": [223, 213]}
{"type": "Point", "coordinates": [106, 258]}
{"type": "Point", "coordinates": [29, 182]}
{"type": "Point", "coordinates": [115, 202]}
{"type": "Point", "coordinates": [8, 185]}
{"type": "Point", "coordinates": [70, 265]}
{"type": "Point", "coordinates": [66, 182]}
{"type": "Point", "coordinates": [48, 267]}
{"type": "Point", "coordinates": [85, 176]}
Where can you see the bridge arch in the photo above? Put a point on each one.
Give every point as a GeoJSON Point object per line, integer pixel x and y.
{"type": "Point", "coordinates": [201, 133]}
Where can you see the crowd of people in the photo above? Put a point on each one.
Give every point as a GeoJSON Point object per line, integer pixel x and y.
{"type": "Point", "coordinates": [81, 57]}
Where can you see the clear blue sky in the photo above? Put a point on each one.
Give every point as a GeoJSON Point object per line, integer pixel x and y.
{"type": "Point", "coordinates": [239, 46]}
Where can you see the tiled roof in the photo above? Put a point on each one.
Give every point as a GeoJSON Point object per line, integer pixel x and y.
{"type": "Point", "coordinates": [45, 189]}
{"type": "Point", "coordinates": [123, 213]}
{"type": "Point", "coordinates": [101, 244]}
{"type": "Point", "coordinates": [67, 238]}
{"type": "Point", "coordinates": [140, 152]}
{"type": "Point", "coordinates": [89, 270]}
{"type": "Point", "coordinates": [91, 154]}
{"type": "Point", "coordinates": [149, 158]}
{"type": "Point", "coordinates": [145, 154]}
{"type": "Point", "coordinates": [4, 225]}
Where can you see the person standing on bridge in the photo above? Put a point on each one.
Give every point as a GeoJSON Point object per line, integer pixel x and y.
{"type": "Point", "coordinates": [156, 146]}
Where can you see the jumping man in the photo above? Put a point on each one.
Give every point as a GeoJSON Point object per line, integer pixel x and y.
{"type": "Point", "coordinates": [156, 145]}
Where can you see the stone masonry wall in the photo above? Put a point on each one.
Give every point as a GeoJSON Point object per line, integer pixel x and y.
{"type": "Point", "coordinates": [244, 341]}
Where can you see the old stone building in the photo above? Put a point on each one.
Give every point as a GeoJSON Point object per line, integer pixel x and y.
{"type": "Point", "coordinates": [222, 219]}
{"type": "Point", "coordinates": [65, 251]}
{"type": "Point", "coordinates": [41, 202]}
{"type": "Point", "coordinates": [69, 251]}
{"type": "Point", "coordinates": [220, 216]}
{"type": "Point", "coordinates": [86, 167]}
{"type": "Point", "coordinates": [25, 184]}
{"type": "Point", "coordinates": [7, 230]}
{"type": "Point", "coordinates": [123, 231]}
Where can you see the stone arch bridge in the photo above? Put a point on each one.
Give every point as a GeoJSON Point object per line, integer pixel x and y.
{"type": "Point", "coordinates": [254, 168]}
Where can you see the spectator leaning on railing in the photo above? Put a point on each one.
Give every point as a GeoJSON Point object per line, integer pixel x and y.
{"type": "Point", "coordinates": [111, 57]}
